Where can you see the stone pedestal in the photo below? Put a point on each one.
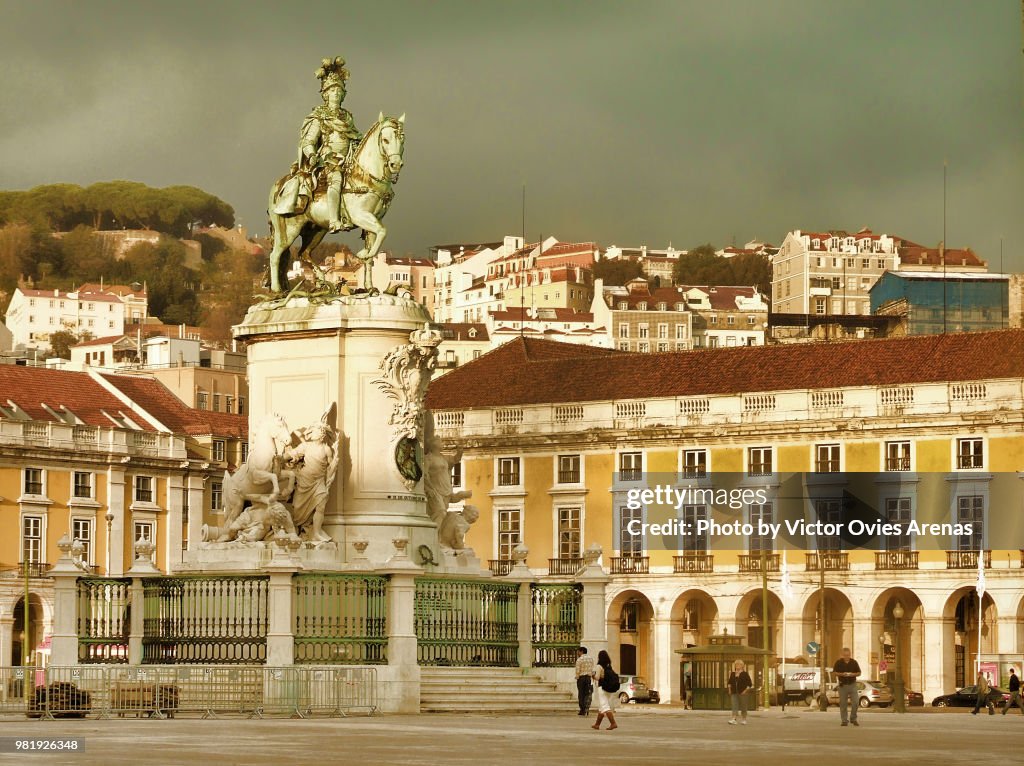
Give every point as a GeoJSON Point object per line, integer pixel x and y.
{"type": "Point", "coordinates": [305, 358]}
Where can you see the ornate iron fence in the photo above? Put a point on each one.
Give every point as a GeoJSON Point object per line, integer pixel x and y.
{"type": "Point", "coordinates": [104, 620]}
{"type": "Point", "coordinates": [466, 622]}
{"type": "Point", "coordinates": [557, 624]}
{"type": "Point", "coordinates": [203, 620]}
{"type": "Point", "coordinates": [340, 619]}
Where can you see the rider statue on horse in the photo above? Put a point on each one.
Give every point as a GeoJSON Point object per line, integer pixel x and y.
{"type": "Point", "coordinates": [341, 179]}
{"type": "Point", "coordinates": [327, 136]}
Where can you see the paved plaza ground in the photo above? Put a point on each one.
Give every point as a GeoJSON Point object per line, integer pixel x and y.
{"type": "Point", "coordinates": [647, 735]}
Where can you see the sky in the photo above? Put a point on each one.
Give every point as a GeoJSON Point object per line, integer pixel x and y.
{"type": "Point", "coordinates": [627, 123]}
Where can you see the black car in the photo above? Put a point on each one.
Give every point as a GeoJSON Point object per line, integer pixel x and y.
{"type": "Point", "coordinates": [967, 696]}
{"type": "Point", "coordinates": [654, 698]}
{"type": "Point", "coordinates": [914, 699]}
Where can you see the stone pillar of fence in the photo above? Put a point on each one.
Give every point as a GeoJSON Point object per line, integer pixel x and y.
{"type": "Point", "coordinates": [280, 606]}
{"type": "Point", "coordinates": [64, 645]}
{"type": "Point", "coordinates": [400, 690]}
{"type": "Point", "coordinates": [142, 566]}
{"type": "Point", "coordinates": [594, 581]}
{"type": "Point", "coordinates": [521, 574]}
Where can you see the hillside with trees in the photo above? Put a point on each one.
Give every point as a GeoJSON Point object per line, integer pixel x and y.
{"type": "Point", "coordinates": [700, 266]}
{"type": "Point", "coordinates": [49, 239]}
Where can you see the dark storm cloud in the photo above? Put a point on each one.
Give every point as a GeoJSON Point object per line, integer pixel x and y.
{"type": "Point", "coordinates": [628, 123]}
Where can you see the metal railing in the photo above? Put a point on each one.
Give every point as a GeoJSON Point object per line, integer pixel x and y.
{"type": "Point", "coordinates": [565, 566]}
{"type": "Point", "coordinates": [500, 567]}
{"type": "Point", "coordinates": [340, 619]}
{"type": "Point", "coordinates": [966, 559]}
{"type": "Point", "coordinates": [165, 691]}
{"type": "Point", "coordinates": [204, 620]}
{"type": "Point", "coordinates": [631, 565]}
{"type": "Point", "coordinates": [751, 562]}
{"type": "Point", "coordinates": [104, 620]}
{"type": "Point", "coordinates": [896, 559]}
{"type": "Point", "coordinates": [557, 624]}
{"type": "Point", "coordinates": [466, 622]}
{"type": "Point", "coordinates": [832, 561]}
{"type": "Point", "coordinates": [693, 563]}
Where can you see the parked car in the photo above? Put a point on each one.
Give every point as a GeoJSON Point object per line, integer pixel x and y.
{"type": "Point", "coordinates": [654, 698]}
{"type": "Point", "coordinates": [968, 695]}
{"type": "Point", "coordinates": [633, 688]}
{"type": "Point", "coordinates": [868, 693]}
{"type": "Point", "coordinates": [914, 699]}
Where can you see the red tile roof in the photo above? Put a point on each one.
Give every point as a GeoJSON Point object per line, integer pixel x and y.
{"type": "Point", "coordinates": [31, 387]}
{"type": "Point", "coordinates": [460, 330]}
{"type": "Point", "coordinates": [522, 314]}
{"type": "Point", "coordinates": [533, 371]}
{"type": "Point", "coordinates": [156, 399]}
{"type": "Point", "coordinates": [930, 256]}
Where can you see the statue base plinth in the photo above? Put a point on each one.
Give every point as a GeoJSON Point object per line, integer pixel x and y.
{"type": "Point", "coordinates": [251, 558]}
{"type": "Point", "coordinates": [462, 562]}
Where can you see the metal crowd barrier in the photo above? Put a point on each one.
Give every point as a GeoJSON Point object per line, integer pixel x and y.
{"type": "Point", "coordinates": [164, 691]}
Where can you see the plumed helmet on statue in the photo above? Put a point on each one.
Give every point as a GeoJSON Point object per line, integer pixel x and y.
{"type": "Point", "coordinates": [331, 73]}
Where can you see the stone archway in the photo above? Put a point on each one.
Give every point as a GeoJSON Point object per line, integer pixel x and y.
{"type": "Point", "coordinates": [960, 623]}
{"type": "Point", "coordinates": [630, 634]}
{"type": "Point", "coordinates": [908, 646]}
{"type": "Point", "coordinates": [751, 623]}
{"type": "Point", "coordinates": [838, 627]}
{"type": "Point", "coordinates": [694, 619]}
{"type": "Point", "coordinates": [36, 629]}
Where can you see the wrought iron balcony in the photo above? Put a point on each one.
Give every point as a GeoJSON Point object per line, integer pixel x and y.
{"type": "Point", "coordinates": [832, 561]}
{"type": "Point", "coordinates": [751, 562]}
{"type": "Point", "coordinates": [693, 563]}
{"type": "Point", "coordinates": [565, 566]}
{"type": "Point", "coordinates": [631, 565]}
{"type": "Point", "coordinates": [500, 567]}
{"type": "Point", "coordinates": [35, 569]}
{"type": "Point", "coordinates": [896, 560]}
{"type": "Point", "coordinates": [571, 476]}
{"type": "Point", "coordinates": [695, 471]}
{"type": "Point", "coordinates": [966, 559]}
{"type": "Point", "coordinates": [897, 463]}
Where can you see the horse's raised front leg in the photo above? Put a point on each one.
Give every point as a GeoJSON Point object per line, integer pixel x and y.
{"type": "Point", "coordinates": [283, 239]}
{"type": "Point", "coordinates": [375, 233]}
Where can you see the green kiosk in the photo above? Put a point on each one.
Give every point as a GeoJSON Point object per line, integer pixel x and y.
{"type": "Point", "coordinates": [709, 666]}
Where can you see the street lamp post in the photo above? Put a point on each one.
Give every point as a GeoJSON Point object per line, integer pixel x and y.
{"type": "Point", "coordinates": [900, 702]}
{"type": "Point", "coordinates": [110, 520]}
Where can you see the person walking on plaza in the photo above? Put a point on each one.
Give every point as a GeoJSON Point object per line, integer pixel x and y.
{"type": "Point", "coordinates": [847, 670]}
{"type": "Point", "coordinates": [584, 679]}
{"type": "Point", "coordinates": [1014, 688]}
{"type": "Point", "coordinates": [739, 686]}
{"type": "Point", "coordinates": [607, 696]}
{"type": "Point", "coordinates": [983, 688]}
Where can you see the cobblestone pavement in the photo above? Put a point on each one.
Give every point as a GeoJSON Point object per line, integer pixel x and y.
{"type": "Point", "coordinates": [647, 735]}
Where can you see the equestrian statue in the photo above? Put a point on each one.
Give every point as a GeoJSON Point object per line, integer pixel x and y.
{"type": "Point", "coordinates": [341, 180]}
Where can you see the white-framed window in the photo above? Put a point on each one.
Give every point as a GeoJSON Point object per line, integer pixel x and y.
{"type": "Point", "coordinates": [81, 485]}
{"type": "Point", "coordinates": [695, 540]}
{"type": "Point", "coordinates": [245, 451]}
{"type": "Point", "coordinates": [229, 403]}
{"type": "Point", "coordinates": [219, 450]}
{"type": "Point", "coordinates": [760, 516]}
{"type": "Point", "coordinates": [898, 511]}
{"type": "Point", "coordinates": [569, 469]}
{"type": "Point", "coordinates": [680, 332]}
{"type": "Point", "coordinates": [643, 330]}
{"type": "Point", "coordinates": [623, 329]}
{"type": "Point", "coordinates": [33, 482]}
{"type": "Point", "coordinates": [897, 456]}
{"type": "Point", "coordinates": [623, 345]}
{"type": "Point", "coordinates": [144, 530]}
{"type": "Point", "coordinates": [508, 472]}
{"type": "Point", "coordinates": [970, 453]}
{"type": "Point", "coordinates": [216, 495]}
{"type": "Point", "coordinates": [970, 509]}
{"type": "Point", "coordinates": [456, 474]}
{"type": "Point", "coordinates": [829, 512]}
{"type": "Point", "coordinates": [759, 461]}
{"type": "Point", "coordinates": [662, 346]}
{"type": "Point", "coordinates": [510, 531]}
{"type": "Point", "coordinates": [144, 489]}
{"type": "Point", "coordinates": [241, 405]}
{"type": "Point", "coordinates": [31, 539]}
{"type": "Point", "coordinates": [662, 330]}
{"type": "Point", "coordinates": [216, 402]}
{"type": "Point", "coordinates": [826, 458]}
{"type": "Point", "coordinates": [695, 463]}
{"type": "Point", "coordinates": [202, 400]}
{"type": "Point", "coordinates": [630, 545]}
{"type": "Point", "coordinates": [643, 348]}
{"type": "Point", "coordinates": [570, 533]}
{"type": "Point", "coordinates": [81, 529]}
{"type": "Point", "coordinates": [631, 466]}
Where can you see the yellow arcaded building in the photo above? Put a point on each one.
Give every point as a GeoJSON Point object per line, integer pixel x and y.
{"type": "Point", "coordinates": [106, 460]}
{"type": "Point", "coordinates": [560, 440]}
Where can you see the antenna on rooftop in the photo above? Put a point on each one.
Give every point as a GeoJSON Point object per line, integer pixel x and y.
{"type": "Point", "coordinates": [942, 247]}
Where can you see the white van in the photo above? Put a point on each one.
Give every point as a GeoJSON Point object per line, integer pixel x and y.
{"type": "Point", "coordinates": [803, 683]}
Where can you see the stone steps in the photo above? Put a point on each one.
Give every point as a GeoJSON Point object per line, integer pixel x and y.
{"type": "Point", "coordinates": [490, 690]}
